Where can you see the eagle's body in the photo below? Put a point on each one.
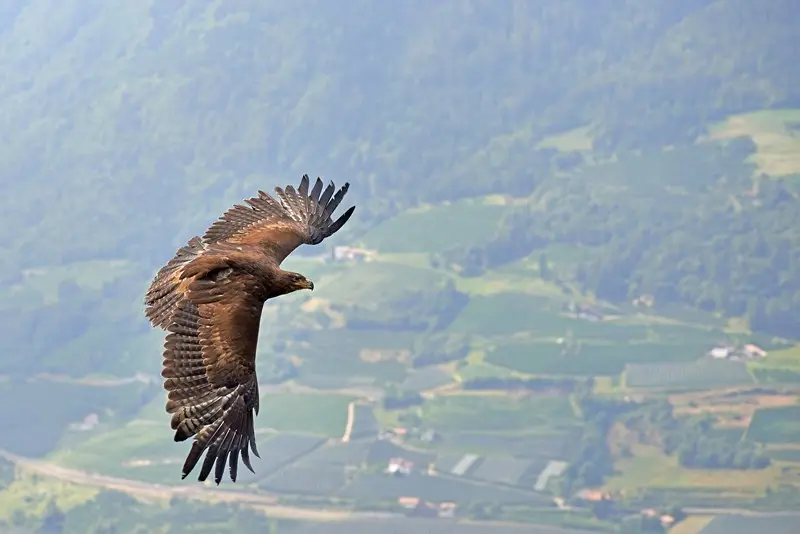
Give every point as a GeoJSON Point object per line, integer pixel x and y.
{"type": "Point", "coordinates": [209, 297]}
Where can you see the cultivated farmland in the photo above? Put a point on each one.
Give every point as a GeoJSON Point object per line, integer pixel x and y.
{"type": "Point", "coordinates": [364, 422]}
{"type": "Point", "coordinates": [775, 425]}
{"type": "Point", "coordinates": [584, 359]}
{"type": "Point", "coordinates": [507, 471]}
{"type": "Point", "coordinates": [499, 413]}
{"type": "Point", "coordinates": [281, 450]}
{"type": "Point", "coordinates": [705, 373]}
{"type": "Point", "coordinates": [312, 413]}
{"type": "Point", "coordinates": [381, 487]}
{"type": "Point", "coordinates": [322, 480]}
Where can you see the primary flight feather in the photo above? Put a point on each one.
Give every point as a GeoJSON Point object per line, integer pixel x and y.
{"type": "Point", "coordinates": [209, 299]}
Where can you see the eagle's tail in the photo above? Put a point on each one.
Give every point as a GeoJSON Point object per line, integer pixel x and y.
{"type": "Point", "coordinates": [164, 294]}
{"type": "Point", "coordinates": [314, 209]}
{"type": "Point", "coordinates": [221, 418]}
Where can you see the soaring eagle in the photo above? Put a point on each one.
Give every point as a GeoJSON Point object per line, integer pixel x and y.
{"type": "Point", "coordinates": [209, 299]}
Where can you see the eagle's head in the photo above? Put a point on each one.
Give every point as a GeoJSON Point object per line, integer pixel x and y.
{"type": "Point", "coordinates": [296, 281]}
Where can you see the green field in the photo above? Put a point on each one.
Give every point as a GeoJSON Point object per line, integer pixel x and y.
{"type": "Point", "coordinates": [764, 375]}
{"type": "Point", "coordinates": [337, 353]}
{"type": "Point", "coordinates": [460, 223]}
{"type": "Point", "coordinates": [703, 374]}
{"type": "Point", "coordinates": [586, 359]}
{"type": "Point", "coordinates": [109, 451]}
{"type": "Point", "coordinates": [378, 283]}
{"type": "Point", "coordinates": [304, 413]}
{"type": "Point", "coordinates": [739, 524]}
{"type": "Point", "coordinates": [778, 147]}
{"type": "Point", "coordinates": [503, 314]}
{"type": "Point", "coordinates": [775, 425]}
{"type": "Point", "coordinates": [496, 413]}
{"type": "Point", "coordinates": [784, 455]}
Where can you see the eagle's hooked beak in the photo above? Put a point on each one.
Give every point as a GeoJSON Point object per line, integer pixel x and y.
{"type": "Point", "coordinates": [307, 284]}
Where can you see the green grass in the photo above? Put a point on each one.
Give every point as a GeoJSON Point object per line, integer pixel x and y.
{"type": "Point", "coordinates": [108, 452]}
{"type": "Point", "coordinates": [92, 274]}
{"type": "Point", "coordinates": [741, 524]}
{"type": "Point", "coordinates": [507, 313]}
{"type": "Point", "coordinates": [703, 374]}
{"type": "Point", "coordinates": [433, 229]}
{"type": "Point", "coordinates": [775, 376]}
{"type": "Point", "coordinates": [783, 358]}
{"type": "Point", "coordinates": [337, 353]}
{"type": "Point", "coordinates": [785, 455]}
{"type": "Point", "coordinates": [305, 413]}
{"type": "Point", "coordinates": [775, 425]}
{"type": "Point", "coordinates": [586, 359]}
{"type": "Point", "coordinates": [731, 435]}
{"type": "Point", "coordinates": [378, 283]}
{"type": "Point", "coordinates": [498, 413]}
{"type": "Point", "coordinates": [778, 148]}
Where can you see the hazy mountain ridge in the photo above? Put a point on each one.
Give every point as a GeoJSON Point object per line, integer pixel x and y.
{"type": "Point", "coordinates": [509, 162]}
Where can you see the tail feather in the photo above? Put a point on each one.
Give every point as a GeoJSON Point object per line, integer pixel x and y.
{"type": "Point", "coordinates": [220, 418]}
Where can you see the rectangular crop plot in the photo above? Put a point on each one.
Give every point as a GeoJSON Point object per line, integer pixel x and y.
{"type": "Point", "coordinates": [501, 470]}
{"type": "Point", "coordinates": [588, 359]}
{"type": "Point", "coordinates": [313, 413]}
{"type": "Point", "coordinates": [278, 452]}
{"type": "Point", "coordinates": [531, 446]}
{"type": "Point", "coordinates": [381, 452]}
{"type": "Point", "coordinates": [382, 487]}
{"type": "Point", "coordinates": [784, 455]}
{"type": "Point", "coordinates": [335, 356]}
{"type": "Point", "coordinates": [503, 314]}
{"type": "Point", "coordinates": [705, 373]}
{"type": "Point", "coordinates": [352, 453]}
{"type": "Point", "coordinates": [306, 480]}
{"type": "Point", "coordinates": [543, 413]}
{"type": "Point", "coordinates": [776, 376]}
{"type": "Point", "coordinates": [427, 378]}
{"type": "Point", "coordinates": [364, 422]}
{"type": "Point", "coordinates": [459, 223]}
{"type": "Point", "coordinates": [775, 425]}
{"type": "Point", "coordinates": [742, 524]}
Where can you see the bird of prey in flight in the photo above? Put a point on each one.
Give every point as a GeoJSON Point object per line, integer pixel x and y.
{"type": "Point", "coordinates": [209, 299]}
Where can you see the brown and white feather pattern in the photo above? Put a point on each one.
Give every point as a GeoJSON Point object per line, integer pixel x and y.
{"type": "Point", "coordinates": [209, 297]}
{"type": "Point", "coordinates": [211, 380]}
{"type": "Point", "coordinates": [167, 289]}
{"type": "Point", "coordinates": [294, 218]}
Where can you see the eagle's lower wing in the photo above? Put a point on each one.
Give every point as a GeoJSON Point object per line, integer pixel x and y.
{"type": "Point", "coordinates": [209, 367]}
{"type": "Point", "coordinates": [282, 224]}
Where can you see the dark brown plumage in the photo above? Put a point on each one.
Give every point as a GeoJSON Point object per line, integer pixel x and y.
{"type": "Point", "coordinates": [209, 299]}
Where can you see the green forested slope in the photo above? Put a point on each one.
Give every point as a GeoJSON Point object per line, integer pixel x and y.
{"type": "Point", "coordinates": [128, 126]}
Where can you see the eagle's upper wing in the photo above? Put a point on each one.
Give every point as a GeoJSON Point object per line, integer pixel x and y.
{"type": "Point", "coordinates": [209, 367]}
{"type": "Point", "coordinates": [168, 288]}
{"type": "Point", "coordinates": [282, 224]}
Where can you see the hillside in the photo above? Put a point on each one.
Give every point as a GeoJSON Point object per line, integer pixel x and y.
{"type": "Point", "coordinates": [563, 205]}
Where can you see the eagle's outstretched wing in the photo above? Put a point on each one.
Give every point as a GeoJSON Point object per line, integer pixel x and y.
{"type": "Point", "coordinates": [209, 367]}
{"type": "Point", "coordinates": [276, 226]}
{"type": "Point", "coordinates": [167, 288]}
{"type": "Point", "coordinates": [282, 224]}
